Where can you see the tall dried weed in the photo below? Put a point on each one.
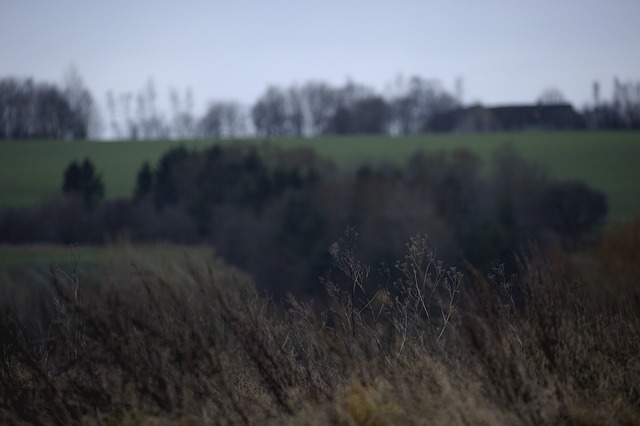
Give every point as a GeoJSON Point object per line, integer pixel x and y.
{"type": "Point", "coordinates": [185, 343]}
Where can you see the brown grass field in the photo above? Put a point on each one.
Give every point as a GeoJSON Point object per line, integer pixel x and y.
{"type": "Point", "coordinates": [181, 342]}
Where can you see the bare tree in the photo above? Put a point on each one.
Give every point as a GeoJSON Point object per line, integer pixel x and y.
{"type": "Point", "coordinates": [596, 93]}
{"type": "Point", "coordinates": [235, 119]}
{"type": "Point", "coordinates": [621, 112]}
{"type": "Point", "coordinates": [86, 120]}
{"type": "Point", "coordinates": [31, 109]}
{"type": "Point", "coordinates": [223, 120]}
{"type": "Point", "coordinates": [183, 123]}
{"type": "Point", "coordinates": [358, 110]}
{"type": "Point", "coordinates": [136, 116]}
{"type": "Point", "coordinates": [14, 101]}
{"type": "Point", "coordinates": [151, 123]}
{"type": "Point", "coordinates": [36, 110]}
{"type": "Point", "coordinates": [551, 96]}
{"type": "Point", "coordinates": [131, 126]}
{"type": "Point", "coordinates": [369, 115]}
{"type": "Point", "coordinates": [417, 101]}
{"type": "Point", "coordinates": [269, 113]}
{"type": "Point", "coordinates": [210, 125]}
{"type": "Point", "coordinates": [112, 107]}
{"type": "Point", "coordinates": [459, 89]}
{"type": "Point", "coordinates": [626, 102]}
{"type": "Point", "coordinates": [353, 92]}
{"type": "Point", "coordinates": [321, 102]}
{"type": "Point", "coordinates": [296, 112]}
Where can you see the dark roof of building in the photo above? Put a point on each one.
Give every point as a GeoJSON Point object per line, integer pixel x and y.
{"type": "Point", "coordinates": [508, 117]}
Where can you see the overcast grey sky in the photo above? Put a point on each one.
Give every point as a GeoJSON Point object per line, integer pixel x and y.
{"type": "Point", "coordinates": [505, 51]}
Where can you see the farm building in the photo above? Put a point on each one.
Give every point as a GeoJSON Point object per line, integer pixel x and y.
{"type": "Point", "coordinates": [507, 118]}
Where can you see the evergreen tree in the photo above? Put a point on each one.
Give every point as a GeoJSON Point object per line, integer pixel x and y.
{"type": "Point", "coordinates": [82, 180]}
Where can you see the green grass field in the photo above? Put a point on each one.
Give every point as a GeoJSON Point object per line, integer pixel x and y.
{"type": "Point", "coordinates": [609, 161]}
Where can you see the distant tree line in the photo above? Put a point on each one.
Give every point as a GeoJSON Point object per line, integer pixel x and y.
{"type": "Point", "coordinates": [137, 116]}
{"type": "Point", "coordinates": [317, 108]}
{"type": "Point", "coordinates": [312, 109]}
{"type": "Point", "coordinates": [409, 106]}
{"type": "Point", "coordinates": [30, 110]}
{"type": "Point", "coordinates": [622, 111]}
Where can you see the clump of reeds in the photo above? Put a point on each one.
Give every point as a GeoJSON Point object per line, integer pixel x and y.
{"type": "Point", "coordinates": [187, 344]}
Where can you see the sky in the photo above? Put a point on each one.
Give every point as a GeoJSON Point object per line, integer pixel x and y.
{"type": "Point", "coordinates": [503, 52]}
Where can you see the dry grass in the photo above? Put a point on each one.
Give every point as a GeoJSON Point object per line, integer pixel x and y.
{"type": "Point", "coordinates": [183, 344]}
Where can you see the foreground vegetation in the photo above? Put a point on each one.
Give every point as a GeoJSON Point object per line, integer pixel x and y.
{"type": "Point", "coordinates": [183, 342]}
{"type": "Point", "coordinates": [31, 171]}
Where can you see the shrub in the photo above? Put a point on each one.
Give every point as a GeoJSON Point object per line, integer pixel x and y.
{"type": "Point", "coordinates": [572, 209]}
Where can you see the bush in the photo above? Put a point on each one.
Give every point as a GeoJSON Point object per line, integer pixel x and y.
{"type": "Point", "coordinates": [572, 209]}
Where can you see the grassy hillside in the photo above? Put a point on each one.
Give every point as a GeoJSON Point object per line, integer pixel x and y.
{"type": "Point", "coordinates": [31, 171]}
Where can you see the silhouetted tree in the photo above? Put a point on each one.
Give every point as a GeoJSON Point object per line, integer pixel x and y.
{"type": "Point", "coordinates": [572, 209]}
{"type": "Point", "coordinates": [131, 126]}
{"type": "Point", "coordinates": [551, 96]}
{"type": "Point", "coordinates": [295, 112]}
{"type": "Point", "coordinates": [34, 110]}
{"type": "Point", "coordinates": [183, 125]}
{"type": "Point", "coordinates": [136, 116]}
{"type": "Point", "coordinates": [626, 101]}
{"type": "Point", "coordinates": [621, 112]}
{"type": "Point", "coordinates": [144, 182]}
{"type": "Point", "coordinates": [211, 124]}
{"type": "Point", "coordinates": [269, 113]}
{"type": "Point", "coordinates": [222, 120]}
{"type": "Point", "coordinates": [166, 180]}
{"type": "Point", "coordinates": [84, 115]}
{"type": "Point", "coordinates": [353, 92]}
{"type": "Point", "coordinates": [321, 102]}
{"type": "Point", "coordinates": [52, 116]}
{"type": "Point", "coordinates": [81, 179]}
{"type": "Point", "coordinates": [150, 123]}
{"type": "Point", "coordinates": [112, 107]}
{"type": "Point", "coordinates": [341, 122]}
{"type": "Point", "coordinates": [417, 101]}
{"type": "Point", "coordinates": [371, 115]}
{"type": "Point", "coordinates": [72, 179]}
